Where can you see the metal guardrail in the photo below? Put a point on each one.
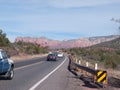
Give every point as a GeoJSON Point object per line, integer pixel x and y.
{"type": "Point", "coordinates": [92, 71]}
{"type": "Point", "coordinates": [87, 69]}
{"type": "Point", "coordinates": [99, 75]}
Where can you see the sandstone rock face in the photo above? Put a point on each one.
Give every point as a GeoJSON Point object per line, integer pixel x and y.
{"type": "Point", "coordinates": [81, 42]}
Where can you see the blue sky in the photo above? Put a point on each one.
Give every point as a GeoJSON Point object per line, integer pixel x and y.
{"type": "Point", "coordinates": [59, 19]}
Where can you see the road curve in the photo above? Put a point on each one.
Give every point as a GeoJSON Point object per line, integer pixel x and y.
{"type": "Point", "coordinates": [27, 73]}
{"type": "Point", "coordinates": [39, 74]}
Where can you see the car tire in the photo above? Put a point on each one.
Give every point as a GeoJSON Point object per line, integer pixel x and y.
{"type": "Point", "coordinates": [10, 74]}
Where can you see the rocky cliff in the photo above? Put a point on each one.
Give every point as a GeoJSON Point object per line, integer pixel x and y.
{"type": "Point", "coordinates": [81, 42]}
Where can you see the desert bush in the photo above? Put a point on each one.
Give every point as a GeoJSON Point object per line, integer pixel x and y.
{"type": "Point", "coordinates": [109, 62]}
{"type": "Point", "coordinates": [30, 48]}
{"type": "Point", "coordinates": [109, 59]}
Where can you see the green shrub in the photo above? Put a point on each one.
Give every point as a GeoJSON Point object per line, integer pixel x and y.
{"type": "Point", "coordinates": [30, 48]}
{"type": "Point", "coordinates": [4, 41]}
{"type": "Point", "coordinates": [109, 59]}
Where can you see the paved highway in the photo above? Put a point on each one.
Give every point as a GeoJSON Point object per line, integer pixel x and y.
{"type": "Point", "coordinates": [28, 73]}
{"type": "Point", "coordinates": [39, 74]}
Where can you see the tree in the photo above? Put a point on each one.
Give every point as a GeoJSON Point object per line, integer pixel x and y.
{"type": "Point", "coordinates": [117, 21]}
{"type": "Point", "coordinates": [3, 39]}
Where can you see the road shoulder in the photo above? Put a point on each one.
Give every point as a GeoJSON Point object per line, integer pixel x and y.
{"type": "Point", "coordinates": [63, 79]}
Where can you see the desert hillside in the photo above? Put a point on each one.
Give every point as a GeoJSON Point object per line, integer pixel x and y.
{"type": "Point", "coordinates": [81, 42]}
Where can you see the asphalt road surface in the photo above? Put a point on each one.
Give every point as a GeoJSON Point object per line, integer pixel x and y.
{"type": "Point", "coordinates": [27, 73]}
{"type": "Point", "coordinates": [39, 74]}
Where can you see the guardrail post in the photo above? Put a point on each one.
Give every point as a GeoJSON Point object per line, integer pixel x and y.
{"type": "Point", "coordinates": [87, 64]}
{"type": "Point", "coordinates": [79, 62]}
{"type": "Point", "coordinates": [96, 66]}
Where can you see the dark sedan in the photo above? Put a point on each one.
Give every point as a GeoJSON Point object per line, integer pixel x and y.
{"type": "Point", "coordinates": [51, 57]}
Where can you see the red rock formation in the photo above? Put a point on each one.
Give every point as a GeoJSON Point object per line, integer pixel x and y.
{"type": "Point", "coordinates": [82, 42]}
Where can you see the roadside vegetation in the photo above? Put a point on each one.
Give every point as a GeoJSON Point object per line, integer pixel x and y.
{"type": "Point", "coordinates": [6, 44]}
{"type": "Point", "coordinates": [106, 54]}
{"type": "Point", "coordinates": [20, 47]}
{"type": "Point", "coordinates": [4, 41]}
{"type": "Point", "coordinates": [30, 48]}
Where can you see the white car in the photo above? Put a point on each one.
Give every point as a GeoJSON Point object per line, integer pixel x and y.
{"type": "Point", "coordinates": [60, 55]}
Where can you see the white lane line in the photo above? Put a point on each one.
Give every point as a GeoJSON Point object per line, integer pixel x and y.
{"type": "Point", "coordinates": [28, 65]}
{"type": "Point", "coordinates": [42, 80]}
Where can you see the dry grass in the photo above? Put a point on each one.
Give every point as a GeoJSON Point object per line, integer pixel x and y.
{"type": "Point", "coordinates": [26, 57]}
{"type": "Point", "coordinates": [110, 72]}
{"type": "Point", "coordinates": [114, 73]}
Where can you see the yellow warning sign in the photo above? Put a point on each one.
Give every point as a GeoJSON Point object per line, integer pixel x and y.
{"type": "Point", "coordinates": [101, 76]}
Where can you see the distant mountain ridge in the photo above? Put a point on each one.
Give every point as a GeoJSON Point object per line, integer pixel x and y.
{"type": "Point", "coordinates": [111, 45]}
{"type": "Point", "coordinates": [81, 42]}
